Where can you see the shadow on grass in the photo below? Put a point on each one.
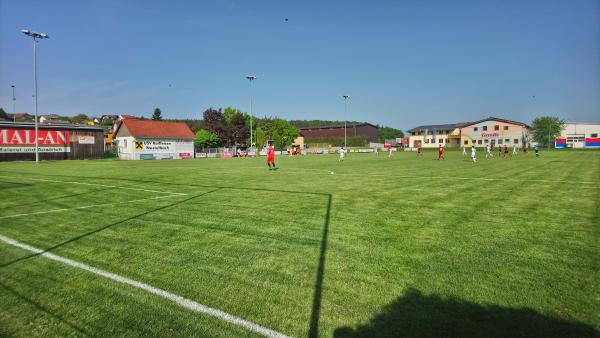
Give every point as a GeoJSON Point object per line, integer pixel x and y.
{"type": "Point", "coordinates": [417, 315]}
{"type": "Point", "coordinates": [41, 308]}
{"type": "Point", "coordinates": [318, 291]}
{"type": "Point", "coordinates": [105, 227]}
{"type": "Point", "coordinates": [313, 330]}
{"type": "Point", "coordinates": [13, 185]}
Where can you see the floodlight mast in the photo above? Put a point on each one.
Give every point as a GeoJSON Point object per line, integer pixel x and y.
{"type": "Point", "coordinates": [251, 78]}
{"type": "Point", "coordinates": [14, 99]}
{"type": "Point", "coordinates": [35, 36]}
{"type": "Point", "coordinates": [346, 97]}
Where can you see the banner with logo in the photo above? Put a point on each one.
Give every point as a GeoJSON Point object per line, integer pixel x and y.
{"type": "Point", "coordinates": [23, 141]}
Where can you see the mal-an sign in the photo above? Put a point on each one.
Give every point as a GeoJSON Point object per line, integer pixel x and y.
{"type": "Point", "coordinates": [23, 141]}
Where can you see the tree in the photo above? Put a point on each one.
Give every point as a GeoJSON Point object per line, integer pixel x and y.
{"type": "Point", "coordinates": [229, 112]}
{"type": "Point", "coordinates": [157, 115]}
{"type": "Point", "coordinates": [3, 114]}
{"type": "Point", "coordinates": [260, 138]}
{"type": "Point", "coordinates": [280, 131]}
{"type": "Point", "coordinates": [206, 139]}
{"type": "Point", "coordinates": [214, 122]}
{"type": "Point", "coordinates": [237, 129]}
{"type": "Point", "coordinates": [384, 133]}
{"type": "Point", "coordinates": [546, 129]}
{"type": "Point", "coordinates": [80, 119]}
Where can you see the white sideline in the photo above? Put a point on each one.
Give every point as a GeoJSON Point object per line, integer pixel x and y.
{"type": "Point", "coordinates": [181, 301]}
{"type": "Point", "coordinates": [86, 206]}
{"type": "Point", "coordinates": [95, 184]}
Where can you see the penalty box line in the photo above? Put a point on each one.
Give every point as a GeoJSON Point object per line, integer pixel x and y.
{"type": "Point", "coordinates": [96, 184]}
{"type": "Point", "coordinates": [179, 300]}
{"type": "Point", "coordinates": [169, 195]}
{"type": "Point", "coordinates": [87, 206]}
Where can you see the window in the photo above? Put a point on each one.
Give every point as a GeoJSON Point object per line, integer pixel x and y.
{"type": "Point", "coordinates": [516, 141]}
{"type": "Point", "coordinates": [125, 143]}
{"type": "Point", "coordinates": [446, 140]}
{"type": "Point", "coordinates": [499, 141]}
{"type": "Point", "coordinates": [507, 140]}
{"type": "Point", "coordinates": [466, 142]}
{"type": "Point", "coordinates": [432, 140]}
{"type": "Point", "coordinates": [484, 128]}
{"type": "Point", "coordinates": [475, 129]}
{"type": "Point", "coordinates": [594, 135]}
{"type": "Point", "coordinates": [505, 127]}
{"type": "Point", "coordinates": [479, 142]}
{"type": "Point", "coordinates": [426, 140]}
{"type": "Point", "coordinates": [441, 140]}
{"type": "Point", "coordinates": [496, 127]}
{"type": "Point", "coordinates": [486, 141]}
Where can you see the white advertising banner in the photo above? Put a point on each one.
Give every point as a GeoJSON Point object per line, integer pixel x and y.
{"type": "Point", "coordinates": [84, 139]}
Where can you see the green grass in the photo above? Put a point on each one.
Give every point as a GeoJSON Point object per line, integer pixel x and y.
{"type": "Point", "coordinates": [400, 246]}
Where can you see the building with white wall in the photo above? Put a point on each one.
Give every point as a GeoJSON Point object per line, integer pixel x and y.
{"type": "Point", "coordinates": [579, 135]}
{"type": "Point", "coordinates": [480, 133]}
{"type": "Point", "coordinates": [153, 140]}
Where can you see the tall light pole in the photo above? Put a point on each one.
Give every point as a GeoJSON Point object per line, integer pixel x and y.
{"type": "Point", "coordinates": [35, 36]}
{"type": "Point", "coordinates": [14, 104]}
{"type": "Point", "coordinates": [251, 78]}
{"type": "Point", "coordinates": [346, 97]}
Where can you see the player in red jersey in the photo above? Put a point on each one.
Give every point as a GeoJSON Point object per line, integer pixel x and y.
{"type": "Point", "coordinates": [440, 152]}
{"type": "Point", "coordinates": [271, 157]}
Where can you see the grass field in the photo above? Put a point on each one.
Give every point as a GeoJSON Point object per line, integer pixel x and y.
{"type": "Point", "coordinates": [372, 246]}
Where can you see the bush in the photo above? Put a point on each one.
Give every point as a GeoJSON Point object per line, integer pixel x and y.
{"type": "Point", "coordinates": [111, 152]}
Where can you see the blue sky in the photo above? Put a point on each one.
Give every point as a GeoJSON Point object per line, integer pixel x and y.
{"type": "Point", "coordinates": [404, 63]}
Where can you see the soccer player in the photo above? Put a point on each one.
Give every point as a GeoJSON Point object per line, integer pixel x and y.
{"type": "Point", "coordinates": [488, 151]}
{"type": "Point", "coordinates": [271, 157]}
{"type": "Point", "coordinates": [376, 151]}
{"type": "Point", "coordinates": [342, 154]}
{"type": "Point", "coordinates": [390, 152]}
{"type": "Point", "coordinates": [505, 151]}
{"type": "Point", "coordinates": [419, 152]}
{"type": "Point", "coordinates": [536, 149]}
{"type": "Point", "coordinates": [464, 153]}
{"type": "Point", "coordinates": [440, 152]}
{"type": "Point", "coordinates": [514, 149]}
{"type": "Point", "coordinates": [473, 154]}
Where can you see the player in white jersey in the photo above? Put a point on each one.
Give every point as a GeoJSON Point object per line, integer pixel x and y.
{"type": "Point", "coordinates": [464, 153]}
{"type": "Point", "coordinates": [473, 154]}
{"type": "Point", "coordinates": [390, 152]}
{"type": "Point", "coordinates": [342, 154]}
{"type": "Point", "coordinates": [488, 151]}
{"type": "Point", "coordinates": [515, 149]}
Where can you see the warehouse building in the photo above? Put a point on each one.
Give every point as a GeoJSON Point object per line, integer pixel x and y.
{"type": "Point", "coordinates": [359, 129]}
{"type": "Point", "coordinates": [480, 133]}
{"type": "Point", "coordinates": [55, 141]}
{"type": "Point", "coordinates": [153, 140]}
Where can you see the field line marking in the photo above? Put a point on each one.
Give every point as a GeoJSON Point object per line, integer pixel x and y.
{"type": "Point", "coordinates": [392, 175]}
{"type": "Point", "coordinates": [181, 301]}
{"type": "Point", "coordinates": [96, 184]}
{"type": "Point", "coordinates": [86, 206]}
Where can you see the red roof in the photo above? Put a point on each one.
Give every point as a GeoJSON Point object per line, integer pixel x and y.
{"type": "Point", "coordinates": [157, 129]}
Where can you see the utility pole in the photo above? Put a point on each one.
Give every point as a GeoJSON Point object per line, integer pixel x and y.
{"type": "Point", "coordinates": [14, 104]}
{"type": "Point", "coordinates": [251, 78]}
{"type": "Point", "coordinates": [346, 97]}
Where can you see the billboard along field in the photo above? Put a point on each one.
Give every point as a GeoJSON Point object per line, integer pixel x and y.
{"type": "Point", "coordinates": [372, 246]}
